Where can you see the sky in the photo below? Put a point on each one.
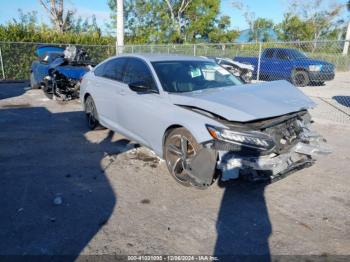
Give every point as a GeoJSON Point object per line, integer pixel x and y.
{"type": "Point", "coordinates": [272, 9]}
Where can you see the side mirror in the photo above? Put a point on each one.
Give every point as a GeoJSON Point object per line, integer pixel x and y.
{"type": "Point", "coordinates": [140, 87]}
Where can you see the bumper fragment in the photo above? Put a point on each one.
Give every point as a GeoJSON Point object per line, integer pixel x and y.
{"type": "Point", "coordinates": [234, 165]}
{"type": "Point", "coordinates": [321, 76]}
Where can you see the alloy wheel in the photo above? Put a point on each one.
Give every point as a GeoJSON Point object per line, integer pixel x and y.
{"type": "Point", "coordinates": [179, 152]}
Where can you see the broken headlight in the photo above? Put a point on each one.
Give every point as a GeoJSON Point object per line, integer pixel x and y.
{"type": "Point", "coordinates": [253, 139]}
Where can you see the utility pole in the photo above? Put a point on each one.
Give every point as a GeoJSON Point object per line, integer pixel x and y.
{"type": "Point", "coordinates": [120, 26]}
{"type": "Point", "coordinates": [347, 39]}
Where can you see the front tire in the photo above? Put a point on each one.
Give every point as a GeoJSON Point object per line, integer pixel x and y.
{"type": "Point", "coordinates": [91, 113]}
{"type": "Point", "coordinates": [300, 78]}
{"type": "Point", "coordinates": [179, 148]}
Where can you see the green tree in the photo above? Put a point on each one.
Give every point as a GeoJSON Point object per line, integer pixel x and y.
{"type": "Point", "coordinates": [310, 20]}
{"type": "Point", "coordinates": [169, 21]}
{"type": "Point", "coordinates": [261, 30]}
{"type": "Point", "coordinates": [293, 28]}
{"type": "Point", "coordinates": [221, 33]}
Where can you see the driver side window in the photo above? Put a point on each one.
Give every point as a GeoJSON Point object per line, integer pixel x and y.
{"type": "Point", "coordinates": [282, 54]}
{"type": "Point", "coordinates": [137, 71]}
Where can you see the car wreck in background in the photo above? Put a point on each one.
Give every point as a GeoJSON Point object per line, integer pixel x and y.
{"type": "Point", "coordinates": [201, 119]}
{"type": "Point", "coordinates": [240, 70]}
{"type": "Point", "coordinates": [58, 71]}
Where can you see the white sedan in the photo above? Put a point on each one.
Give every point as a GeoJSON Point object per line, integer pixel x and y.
{"type": "Point", "coordinates": [200, 118]}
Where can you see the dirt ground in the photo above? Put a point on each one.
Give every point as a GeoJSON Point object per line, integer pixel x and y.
{"type": "Point", "coordinates": [69, 191]}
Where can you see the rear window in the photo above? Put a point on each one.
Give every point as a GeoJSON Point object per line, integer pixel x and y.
{"type": "Point", "coordinates": [112, 69]}
{"type": "Point", "coordinates": [98, 71]}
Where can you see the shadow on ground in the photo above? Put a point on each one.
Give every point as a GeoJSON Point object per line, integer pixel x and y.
{"type": "Point", "coordinates": [8, 90]}
{"type": "Point", "coordinates": [45, 158]}
{"type": "Point", "coordinates": [342, 100]}
{"type": "Point", "coordinates": [243, 224]}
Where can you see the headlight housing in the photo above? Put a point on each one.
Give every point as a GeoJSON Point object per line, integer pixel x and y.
{"type": "Point", "coordinates": [253, 139]}
{"type": "Point", "coordinates": [315, 68]}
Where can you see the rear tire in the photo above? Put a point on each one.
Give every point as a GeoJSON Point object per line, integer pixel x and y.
{"type": "Point", "coordinates": [300, 78]}
{"type": "Point", "coordinates": [91, 113]}
{"type": "Point", "coordinates": [33, 84]}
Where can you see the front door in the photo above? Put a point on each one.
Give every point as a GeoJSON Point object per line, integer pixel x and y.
{"type": "Point", "coordinates": [137, 111]}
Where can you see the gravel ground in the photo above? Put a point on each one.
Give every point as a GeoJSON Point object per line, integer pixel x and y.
{"type": "Point", "coordinates": [67, 190]}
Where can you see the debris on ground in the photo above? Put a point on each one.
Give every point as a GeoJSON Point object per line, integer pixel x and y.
{"type": "Point", "coordinates": [145, 155]}
{"type": "Point", "coordinates": [145, 201]}
{"type": "Point", "coordinates": [57, 201]}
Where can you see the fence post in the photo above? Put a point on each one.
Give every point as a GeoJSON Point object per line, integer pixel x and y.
{"type": "Point", "coordinates": [132, 49]}
{"type": "Point", "coordinates": [2, 65]}
{"type": "Point", "coordinates": [259, 60]}
{"type": "Point", "coordinates": [347, 39]}
{"type": "Point", "coordinates": [194, 49]}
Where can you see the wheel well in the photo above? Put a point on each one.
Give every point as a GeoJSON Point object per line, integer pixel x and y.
{"type": "Point", "coordinates": [86, 96]}
{"type": "Point", "coordinates": [167, 131]}
{"type": "Point", "coordinates": [300, 69]}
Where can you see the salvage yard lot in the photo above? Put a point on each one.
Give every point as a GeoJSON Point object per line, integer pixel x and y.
{"type": "Point", "coordinates": [67, 190]}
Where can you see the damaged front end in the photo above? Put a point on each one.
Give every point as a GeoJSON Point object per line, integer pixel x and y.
{"type": "Point", "coordinates": [266, 149]}
{"type": "Point", "coordinates": [65, 74]}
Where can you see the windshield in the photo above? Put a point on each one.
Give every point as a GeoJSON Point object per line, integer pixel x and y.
{"type": "Point", "coordinates": [188, 76]}
{"type": "Point", "coordinates": [296, 54]}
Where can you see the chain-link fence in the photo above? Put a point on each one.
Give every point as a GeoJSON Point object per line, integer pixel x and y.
{"type": "Point", "coordinates": [16, 57]}
{"type": "Point", "coordinates": [296, 61]}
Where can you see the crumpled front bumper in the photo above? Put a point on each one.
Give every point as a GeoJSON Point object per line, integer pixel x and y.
{"type": "Point", "coordinates": [233, 165]}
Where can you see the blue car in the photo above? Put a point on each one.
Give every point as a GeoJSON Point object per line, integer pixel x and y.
{"type": "Point", "coordinates": [290, 64]}
{"type": "Point", "coordinates": [40, 67]}
{"type": "Point", "coordinates": [58, 71]}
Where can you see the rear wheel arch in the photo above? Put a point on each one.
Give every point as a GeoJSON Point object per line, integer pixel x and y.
{"type": "Point", "coordinates": [91, 112]}
{"type": "Point", "coordinates": [86, 96]}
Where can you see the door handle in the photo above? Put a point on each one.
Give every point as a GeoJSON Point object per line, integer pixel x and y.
{"type": "Point", "coordinates": [122, 92]}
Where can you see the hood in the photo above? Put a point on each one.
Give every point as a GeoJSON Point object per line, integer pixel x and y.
{"type": "Point", "coordinates": [247, 102]}
{"type": "Point", "coordinates": [74, 72]}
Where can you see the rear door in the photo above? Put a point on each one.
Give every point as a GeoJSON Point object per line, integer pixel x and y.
{"type": "Point", "coordinates": [107, 85]}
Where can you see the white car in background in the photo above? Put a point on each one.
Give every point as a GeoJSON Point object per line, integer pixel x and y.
{"type": "Point", "coordinates": [200, 118]}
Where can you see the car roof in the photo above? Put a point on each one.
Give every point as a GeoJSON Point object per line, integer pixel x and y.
{"type": "Point", "coordinates": [280, 48]}
{"type": "Point", "coordinates": [164, 57]}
